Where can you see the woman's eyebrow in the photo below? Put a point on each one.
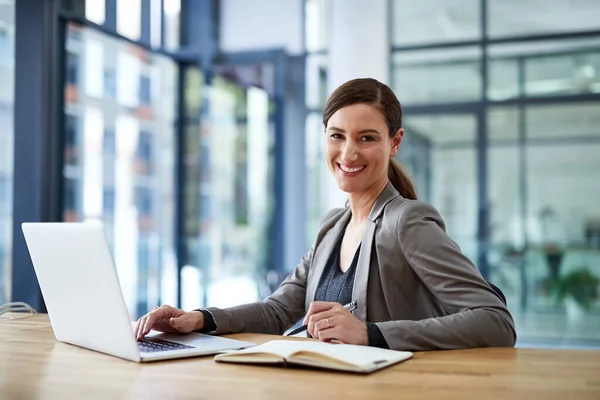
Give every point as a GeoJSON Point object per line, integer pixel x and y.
{"type": "Point", "coordinates": [335, 128]}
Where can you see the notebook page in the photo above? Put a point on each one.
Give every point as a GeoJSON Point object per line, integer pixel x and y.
{"type": "Point", "coordinates": [353, 354]}
{"type": "Point", "coordinates": [362, 355]}
{"type": "Point", "coordinates": [282, 347]}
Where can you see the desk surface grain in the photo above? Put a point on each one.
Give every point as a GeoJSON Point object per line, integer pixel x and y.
{"type": "Point", "coordinates": [33, 365]}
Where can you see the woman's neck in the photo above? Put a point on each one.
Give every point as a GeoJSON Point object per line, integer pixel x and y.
{"type": "Point", "coordinates": [362, 203]}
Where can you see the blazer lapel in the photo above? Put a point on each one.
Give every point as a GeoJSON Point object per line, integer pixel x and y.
{"type": "Point", "coordinates": [322, 253]}
{"type": "Point", "coordinates": [361, 278]}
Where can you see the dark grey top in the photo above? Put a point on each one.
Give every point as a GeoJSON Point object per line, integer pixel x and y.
{"type": "Point", "coordinates": [336, 286]}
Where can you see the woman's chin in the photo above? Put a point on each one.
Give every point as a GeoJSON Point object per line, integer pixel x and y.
{"type": "Point", "coordinates": [349, 187]}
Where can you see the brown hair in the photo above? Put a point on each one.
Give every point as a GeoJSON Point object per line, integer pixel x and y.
{"type": "Point", "coordinates": [374, 93]}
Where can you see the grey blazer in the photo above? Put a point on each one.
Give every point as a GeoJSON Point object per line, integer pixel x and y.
{"type": "Point", "coordinates": [411, 280]}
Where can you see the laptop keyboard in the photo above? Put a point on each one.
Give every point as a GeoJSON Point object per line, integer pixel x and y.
{"type": "Point", "coordinates": [152, 345]}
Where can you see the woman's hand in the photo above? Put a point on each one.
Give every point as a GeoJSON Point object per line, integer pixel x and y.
{"type": "Point", "coordinates": [169, 320]}
{"type": "Point", "coordinates": [327, 321]}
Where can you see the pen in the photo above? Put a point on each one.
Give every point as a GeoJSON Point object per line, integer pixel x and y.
{"type": "Point", "coordinates": [350, 307]}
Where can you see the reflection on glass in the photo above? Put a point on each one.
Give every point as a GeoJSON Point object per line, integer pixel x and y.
{"type": "Point", "coordinates": [437, 76]}
{"type": "Point", "coordinates": [315, 25]}
{"type": "Point", "coordinates": [316, 175]}
{"type": "Point", "coordinates": [433, 21]}
{"type": "Point", "coordinates": [94, 71]}
{"type": "Point", "coordinates": [544, 221]}
{"type": "Point", "coordinates": [7, 81]}
{"type": "Point", "coordinates": [129, 18]}
{"type": "Point", "coordinates": [156, 23]}
{"type": "Point", "coordinates": [503, 78]}
{"type": "Point", "coordinates": [415, 158]}
{"type": "Point", "coordinates": [563, 74]}
{"type": "Point", "coordinates": [453, 173]}
{"type": "Point", "coordinates": [506, 228]}
{"type": "Point", "coordinates": [172, 15]}
{"type": "Point", "coordinates": [95, 11]}
{"type": "Point", "coordinates": [571, 122]}
{"type": "Point", "coordinates": [518, 18]}
{"type": "Point", "coordinates": [316, 81]}
{"type": "Point", "coordinates": [563, 222]}
{"type": "Point", "coordinates": [120, 159]}
{"type": "Point", "coordinates": [549, 69]}
{"type": "Point", "coordinates": [232, 151]}
{"type": "Point", "coordinates": [503, 124]}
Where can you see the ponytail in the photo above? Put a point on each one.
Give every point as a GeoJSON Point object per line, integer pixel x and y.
{"type": "Point", "coordinates": [401, 180]}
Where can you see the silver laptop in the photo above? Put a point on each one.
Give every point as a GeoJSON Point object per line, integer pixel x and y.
{"type": "Point", "coordinates": [79, 282]}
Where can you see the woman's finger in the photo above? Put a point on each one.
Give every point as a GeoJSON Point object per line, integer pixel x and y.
{"type": "Point", "coordinates": [323, 324]}
{"type": "Point", "coordinates": [150, 321]}
{"type": "Point", "coordinates": [318, 307]}
{"type": "Point", "coordinates": [326, 335]}
{"type": "Point", "coordinates": [139, 326]}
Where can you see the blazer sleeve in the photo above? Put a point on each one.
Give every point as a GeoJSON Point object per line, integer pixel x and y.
{"type": "Point", "coordinates": [275, 314]}
{"type": "Point", "coordinates": [479, 318]}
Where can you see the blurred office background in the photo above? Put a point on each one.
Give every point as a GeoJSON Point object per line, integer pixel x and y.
{"type": "Point", "coordinates": [192, 130]}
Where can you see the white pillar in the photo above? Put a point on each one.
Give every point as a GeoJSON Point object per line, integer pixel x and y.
{"type": "Point", "coordinates": [358, 48]}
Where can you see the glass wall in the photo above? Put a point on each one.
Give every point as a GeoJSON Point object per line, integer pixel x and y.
{"type": "Point", "coordinates": [7, 81]}
{"type": "Point", "coordinates": [540, 121]}
{"type": "Point", "coordinates": [229, 188]}
{"type": "Point", "coordinates": [317, 176]}
{"type": "Point", "coordinates": [119, 158]}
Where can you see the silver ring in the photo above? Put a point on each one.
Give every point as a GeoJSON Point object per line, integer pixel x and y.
{"type": "Point", "coordinates": [328, 326]}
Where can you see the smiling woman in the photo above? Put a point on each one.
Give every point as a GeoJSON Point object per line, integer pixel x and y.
{"type": "Point", "coordinates": [363, 121]}
{"type": "Point", "coordinates": [385, 251]}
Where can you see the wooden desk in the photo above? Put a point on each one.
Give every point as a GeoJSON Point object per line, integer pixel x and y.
{"type": "Point", "coordinates": [34, 365]}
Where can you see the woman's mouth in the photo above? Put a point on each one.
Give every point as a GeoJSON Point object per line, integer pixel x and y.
{"type": "Point", "coordinates": [351, 170]}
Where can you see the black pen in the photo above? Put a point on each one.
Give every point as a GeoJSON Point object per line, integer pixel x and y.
{"type": "Point", "coordinates": [350, 307]}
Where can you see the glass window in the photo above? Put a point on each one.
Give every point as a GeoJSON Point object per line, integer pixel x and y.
{"type": "Point", "coordinates": [315, 25]}
{"type": "Point", "coordinates": [503, 124]}
{"type": "Point", "coordinates": [233, 155]}
{"type": "Point", "coordinates": [452, 174]}
{"type": "Point", "coordinates": [433, 21]}
{"type": "Point", "coordinates": [549, 69]}
{"type": "Point", "coordinates": [316, 175]}
{"type": "Point", "coordinates": [94, 68]}
{"type": "Point", "coordinates": [156, 23]}
{"type": "Point", "coordinates": [437, 76]}
{"type": "Point", "coordinates": [172, 16]}
{"type": "Point", "coordinates": [129, 18]}
{"type": "Point", "coordinates": [443, 129]}
{"type": "Point", "coordinates": [316, 81]}
{"type": "Point", "coordinates": [95, 11]}
{"type": "Point", "coordinates": [415, 157]}
{"type": "Point", "coordinates": [7, 82]}
{"type": "Point", "coordinates": [517, 17]}
{"type": "Point", "coordinates": [563, 225]}
{"type": "Point", "coordinates": [120, 162]}
{"type": "Point", "coordinates": [568, 122]}
{"type": "Point", "coordinates": [506, 228]}
{"type": "Point", "coordinates": [503, 75]}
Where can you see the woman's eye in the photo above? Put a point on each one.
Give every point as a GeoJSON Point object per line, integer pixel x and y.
{"type": "Point", "coordinates": [336, 136]}
{"type": "Point", "coordinates": [367, 138]}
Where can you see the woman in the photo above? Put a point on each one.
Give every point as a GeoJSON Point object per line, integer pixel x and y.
{"type": "Point", "coordinates": [385, 250]}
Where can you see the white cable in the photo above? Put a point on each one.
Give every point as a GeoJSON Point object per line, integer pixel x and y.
{"type": "Point", "coordinates": [17, 306]}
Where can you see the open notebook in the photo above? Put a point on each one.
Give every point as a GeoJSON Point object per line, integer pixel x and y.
{"type": "Point", "coordinates": [341, 357]}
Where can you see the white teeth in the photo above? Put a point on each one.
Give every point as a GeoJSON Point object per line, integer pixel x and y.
{"type": "Point", "coordinates": [351, 169]}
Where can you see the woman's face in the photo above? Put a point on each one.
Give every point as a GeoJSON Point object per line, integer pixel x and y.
{"type": "Point", "coordinates": [358, 148]}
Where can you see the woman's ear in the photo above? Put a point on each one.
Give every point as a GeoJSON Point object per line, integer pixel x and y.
{"type": "Point", "coordinates": [396, 140]}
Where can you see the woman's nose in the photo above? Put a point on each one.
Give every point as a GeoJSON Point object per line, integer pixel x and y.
{"type": "Point", "coordinates": [349, 152]}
